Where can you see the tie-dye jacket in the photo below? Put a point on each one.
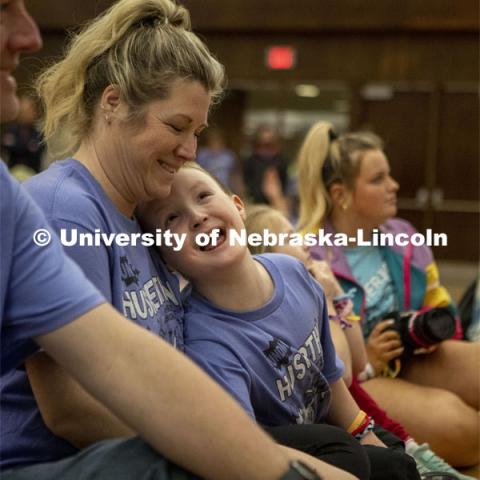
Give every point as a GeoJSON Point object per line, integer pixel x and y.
{"type": "Point", "coordinates": [412, 269]}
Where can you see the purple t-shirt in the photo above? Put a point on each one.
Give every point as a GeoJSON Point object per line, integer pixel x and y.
{"type": "Point", "coordinates": [277, 361]}
{"type": "Point", "coordinates": [41, 289]}
{"type": "Point", "coordinates": [133, 279]}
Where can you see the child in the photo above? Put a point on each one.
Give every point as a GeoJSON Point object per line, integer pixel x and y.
{"type": "Point", "coordinates": [259, 325]}
{"type": "Point", "coordinates": [345, 329]}
{"type": "Point", "coordinates": [348, 341]}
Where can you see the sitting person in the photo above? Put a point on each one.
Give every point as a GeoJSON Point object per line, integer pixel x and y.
{"type": "Point", "coordinates": [346, 336]}
{"type": "Point", "coordinates": [239, 318]}
{"type": "Point", "coordinates": [345, 186]}
{"type": "Point", "coordinates": [46, 302]}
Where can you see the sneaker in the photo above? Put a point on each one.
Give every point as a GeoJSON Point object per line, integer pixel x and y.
{"type": "Point", "coordinates": [428, 462]}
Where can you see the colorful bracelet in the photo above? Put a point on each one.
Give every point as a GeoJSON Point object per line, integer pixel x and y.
{"type": "Point", "coordinates": [340, 320]}
{"type": "Point", "coordinates": [359, 420]}
{"type": "Point", "coordinates": [367, 429]}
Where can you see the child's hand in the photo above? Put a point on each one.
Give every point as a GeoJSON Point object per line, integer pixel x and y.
{"type": "Point", "coordinates": [322, 273]}
{"type": "Point", "coordinates": [383, 345]}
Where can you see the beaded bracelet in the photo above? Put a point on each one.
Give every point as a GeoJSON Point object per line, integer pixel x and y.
{"type": "Point", "coordinates": [367, 429]}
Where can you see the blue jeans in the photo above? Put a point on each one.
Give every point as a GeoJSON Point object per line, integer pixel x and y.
{"type": "Point", "coordinates": [118, 459]}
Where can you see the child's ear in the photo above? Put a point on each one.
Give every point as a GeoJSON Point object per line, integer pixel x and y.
{"type": "Point", "coordinates": [238, 202]}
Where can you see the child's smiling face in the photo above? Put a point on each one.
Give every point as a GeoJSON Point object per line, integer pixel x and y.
{"type": "Point", "coordinates": [197, 205]}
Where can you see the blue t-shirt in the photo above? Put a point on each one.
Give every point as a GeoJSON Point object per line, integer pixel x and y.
{"type": "Point", "coordinates": [370, 270]}
{"type": "Point", "coordinates": [132, 278]}
{"type": "Point", "coordinates": [278, 360]}
{"type": "Point", "coordinates": [41, 289]}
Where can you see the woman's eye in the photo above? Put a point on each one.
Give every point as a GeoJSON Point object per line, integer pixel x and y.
{"type": "Point", "coordinates": [176, 129]}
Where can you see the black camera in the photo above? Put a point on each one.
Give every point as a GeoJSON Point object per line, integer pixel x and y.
{"type": "Point", "coordinates": [422, 329]}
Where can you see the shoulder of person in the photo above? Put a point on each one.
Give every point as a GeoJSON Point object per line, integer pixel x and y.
{"type": "Point", "coordinates": [398, 225]}
{"type": "Point", "coordinates": [286, 264]}
{"type": "Point", "coordinates": [66, 191]}
{"type": "Point", "coordinates": [420, 255]}
{"type": "Point", "coordinates": [281, 259]}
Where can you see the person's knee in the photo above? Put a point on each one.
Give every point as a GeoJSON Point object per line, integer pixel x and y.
{"type": "Point", "coordinates": [330, 444]}
{"type": "Point", "coordinates": [350, 454]}
{"type": "Point", "coordinates": [386, 463]}
{"type": "Point", "coordinates": [459, 427]}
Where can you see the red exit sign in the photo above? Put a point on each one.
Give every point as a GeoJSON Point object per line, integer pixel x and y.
{"type": "Point", "coordinates": [281, 57]}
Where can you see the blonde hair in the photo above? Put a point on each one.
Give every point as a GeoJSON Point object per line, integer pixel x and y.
{"type": "Point", "coordinates": [259, 218]}
{"type": "Point", "coordinates": [325, 158]}
{"type": "Point", "coordinates": [140, 47]}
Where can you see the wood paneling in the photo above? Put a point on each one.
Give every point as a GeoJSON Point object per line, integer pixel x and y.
{"type": "Point", "coordinates": [287, 16]}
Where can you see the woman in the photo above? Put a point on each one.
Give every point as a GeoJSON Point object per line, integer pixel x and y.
{"type": "Point", "coordinates": [124, 108]}
{"type": "Point", "coordinates": [345, 186]}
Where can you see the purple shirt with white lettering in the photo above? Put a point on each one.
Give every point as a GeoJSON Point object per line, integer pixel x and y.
{"type": "Point", "coordinates": [132, 278]}
{"type": "Point", "coordinates": [278, 360]}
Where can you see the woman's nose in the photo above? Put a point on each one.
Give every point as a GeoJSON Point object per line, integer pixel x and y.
{"type": "Point", "coordinates": [187, 150]}
{"type": "Point", "coordinates": [394, 185]}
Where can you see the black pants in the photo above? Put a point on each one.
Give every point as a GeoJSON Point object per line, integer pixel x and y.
{"type": "Point", "coordinates": [325, 442]}
{"type": "Point", "coordinates": [338, 448]}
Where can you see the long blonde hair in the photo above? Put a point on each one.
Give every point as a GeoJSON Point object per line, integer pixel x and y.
{"type": "Point", "coordinates": [140, 47]}
{"type": "Point", "coordinates": [325, 158]}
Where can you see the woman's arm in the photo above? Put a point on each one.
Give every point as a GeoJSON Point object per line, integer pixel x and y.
{"type": "Point", "coordinates": [164, 397]}
{"type": "Point", "coordinates": [67, 409]}
{"type": "Point", "coordinates": [328, 472]}
{"type": "Point", "coordinates": [168, 400]}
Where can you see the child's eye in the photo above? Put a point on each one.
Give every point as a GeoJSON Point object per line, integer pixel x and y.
{"type": "Point", "coordinates": [170, 218]}
{"type": "Point", "coordinates": [203, 195]}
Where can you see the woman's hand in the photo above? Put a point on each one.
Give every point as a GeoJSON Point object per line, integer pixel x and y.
{"type": "Point", "coordinates": [383, 345]}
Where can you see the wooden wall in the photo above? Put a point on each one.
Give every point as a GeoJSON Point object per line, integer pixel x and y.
{"type": "Point", "coordinates": [425, 52]}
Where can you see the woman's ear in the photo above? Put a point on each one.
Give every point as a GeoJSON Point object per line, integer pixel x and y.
{"type": "Point", "coordinates": [110, 100]}
{"type": "Point", "coordinates": [238, 202]}
{"type": "Point", "coordinates": [340, 195]}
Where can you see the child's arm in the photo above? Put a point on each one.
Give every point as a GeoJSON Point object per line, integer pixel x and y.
{"type": "Point", "coordinates": [343, 349]}
{"type": "Point", "coordinates": [358, 351]}
{"type": "Point", "coordinates": [344, 411]}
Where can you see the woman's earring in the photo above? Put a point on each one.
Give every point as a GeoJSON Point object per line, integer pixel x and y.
{"type": "Point", "coordinates": [106, 115]}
